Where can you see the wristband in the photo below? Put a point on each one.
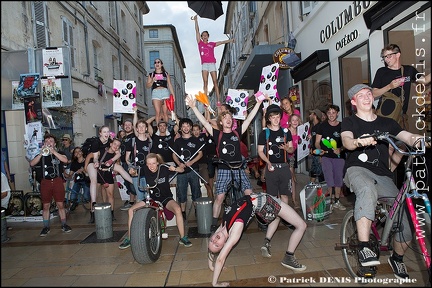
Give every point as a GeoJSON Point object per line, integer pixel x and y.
{"type": "Point", "coordinates": [260, 96]}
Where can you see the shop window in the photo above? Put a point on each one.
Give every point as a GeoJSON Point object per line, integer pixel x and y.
{"type": "Point", "coordinates": [317, 91]}
{"type": "Point", "coordinates": [411, 36]}
{"type": "Point", "coordinates": [354, 70]}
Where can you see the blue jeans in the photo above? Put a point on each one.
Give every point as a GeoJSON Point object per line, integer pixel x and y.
{"type": "Point", "coordinates": [183, 180]}
{"type": "Point", "coordinates": [76, 190]}
{"type": "Point", "coordinates": [141, 194]}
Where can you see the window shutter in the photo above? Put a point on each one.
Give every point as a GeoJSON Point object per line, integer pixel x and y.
{"type": "Point", "coordinates": [41, 30]}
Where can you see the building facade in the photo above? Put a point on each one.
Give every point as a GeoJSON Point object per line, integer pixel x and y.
{"type": "Point", "coordinates": [105, 40]}
{"type": "Point", "coordinates": [339, 44]}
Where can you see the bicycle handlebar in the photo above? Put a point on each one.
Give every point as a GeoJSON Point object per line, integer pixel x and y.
{"type": "Point", "coordinates": [391, 139]}
{"type": "Point", "coordinates": [232, 164]}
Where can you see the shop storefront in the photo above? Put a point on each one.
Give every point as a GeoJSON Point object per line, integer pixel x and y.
{"type": "Point", "coordinates": [350, 36]}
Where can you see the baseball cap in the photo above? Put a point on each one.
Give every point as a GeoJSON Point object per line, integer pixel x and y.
{"type": "Point", "coordinates": [356, 88]}
{"type": "Point", "coordinates": [272, 108]}
{"type": "Point", "coordinates": [66, 136]}
{"type": "Point", "coordinates": [317, 112]}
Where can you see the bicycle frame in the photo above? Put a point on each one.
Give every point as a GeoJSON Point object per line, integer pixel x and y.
{"type": "Point", "coordinates": [407, 193]}
{"type": "Point", "coordinates": [234, 189]}
{"type": "Point", "coordinates": [381, 240]}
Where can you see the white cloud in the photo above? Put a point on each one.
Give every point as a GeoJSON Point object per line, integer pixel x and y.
{"type": "Point", "coordinates": [179, 15]}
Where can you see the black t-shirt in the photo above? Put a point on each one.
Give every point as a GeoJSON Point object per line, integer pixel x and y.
{"type": "Point", "coordinates": [75, 166]}
{"type": "Point", "coordinates": [375, 158]}
{"type": "Point", "coordinates": [202, 138]}
{"type": "Point", "coordinates": [240, 210]}
{"type": "Point", "coordinates": [329, 132]}
{"type": "Point", "coordinates": [385, 76]}
{"type": "Point", "coordinates": [229, 146]}
{"type": "Point", "coordinates": [48, 166]}
{"type": "Point", "coordinates": [124, 142]}
{"type": "Point", "coordinates": [139, 150]}
{"type": "Point", "coordinates": [313, 135]}
{"type": "Point", "coordinates": [275, 139]}
{"type": "Point", "coordinates": [161, 146]}
{"type": "Point", "coordinates": [162, 189]}
{"type": "Point", "coordinates": [98, 146]}
{"type": "Point", "coordinates": [186, 148]}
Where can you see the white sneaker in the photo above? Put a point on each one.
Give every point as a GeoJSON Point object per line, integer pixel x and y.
{"type": "Point", "coordinates": [339, 206]}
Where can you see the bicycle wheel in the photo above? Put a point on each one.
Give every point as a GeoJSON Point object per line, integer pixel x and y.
{"type": "Point", "coordinates": [146, 238]}
{"type": "Point", "coordinates": [349, 240]}
{"type": "Point", "coordinates": [84, 203]}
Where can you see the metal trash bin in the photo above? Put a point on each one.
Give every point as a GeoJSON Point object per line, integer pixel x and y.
{"type": "Point", "coordinates": [4, 237]}
{"type": "Point", "coordinates": [204, 214]}
{"type": "Point", "coordinates": [103, 221]}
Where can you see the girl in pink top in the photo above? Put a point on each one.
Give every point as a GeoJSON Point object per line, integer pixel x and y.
{"type": "Point", "coordinates": [208, 60]}
{"type": "Point", "coordinates": [288, 110]}
{"type": "Point", "coordinates": [295, 121]}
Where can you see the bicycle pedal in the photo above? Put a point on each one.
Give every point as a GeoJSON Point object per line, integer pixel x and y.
{"type": "Point", "coordinates": [367, 272]}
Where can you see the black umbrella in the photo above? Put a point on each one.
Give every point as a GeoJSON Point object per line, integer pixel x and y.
{"type": "Point", "coordinates": [207, 9]}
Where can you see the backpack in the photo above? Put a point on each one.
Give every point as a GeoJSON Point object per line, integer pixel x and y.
{"type": "Point", "coordinates": [86, 146]}
{"type": "Point", "coordinates": [390, 106]}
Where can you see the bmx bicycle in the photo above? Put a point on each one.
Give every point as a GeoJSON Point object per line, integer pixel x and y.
{"type": "Point", "coordinates": [386, 223]}
{"type": "Point", "coordinates": [80, 195]}
{"type": "Point", "coordinates": [148, 227]}
{"type": "Point", "coordinates": [234, 191]}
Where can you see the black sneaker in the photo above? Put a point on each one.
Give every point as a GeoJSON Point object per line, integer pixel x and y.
{"type": "Point", "coordinates": [399, 269]}
{"type": "Point", "coordinates": [213, 228]}
{"type": "Point", "coordinates": [367, 257]}
{"type": "Point", "coordinates": [66, 228]}
{"type": "Point", "coordinates": [289, 261]}
{"type": "Point", "coordinates": [44, 232]}
{"type": "Point", "coordinates": [73, 206]}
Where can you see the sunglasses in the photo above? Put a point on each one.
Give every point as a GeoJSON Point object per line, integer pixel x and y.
{"type": "Point", "coordinates": [65, 139]}
{"type": "Point", "coordinates": [157, 62]}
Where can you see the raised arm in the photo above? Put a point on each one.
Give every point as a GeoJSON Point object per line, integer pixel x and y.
{"type": "Point", "coordinates": [224, 42]}
{"type": "Point", "coordinates": [197, 33]}
{"type": "Point", "coordinates": [251, 115]}
{"type": "Point", "coordinates": [192, 104]}
{"type": "Point", "coordinates": [150, 126]}
{"type": "Point", "coordinates": [135, 120]}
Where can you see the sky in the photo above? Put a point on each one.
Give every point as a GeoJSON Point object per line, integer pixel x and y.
{"type": "Point", "coordinates": [179, 15]}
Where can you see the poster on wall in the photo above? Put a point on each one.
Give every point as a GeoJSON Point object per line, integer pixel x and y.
{"type": "Point", "coordinates": [124, 96]}
{"type": "Point", "coordinates": [303, 141]}
{"type": "Point", "coordinates": [268, 84]}
{"type": "Point", "coordinates": [294, 94]}
{"type": "Point", "coordinates": [53, 62]}
{"type": "Point", "coordinates": [33, 108]}
{"type": "Point", "coordinates": [51, 92]}
{"type": "Point", "coordinates": [33, 139]}
{"type": "Point", "coordinates": [27, 84]}
{"type": "Point", "coordinates": [17, 101]}
{"type": "Point", "coordinates": [238, 99]}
